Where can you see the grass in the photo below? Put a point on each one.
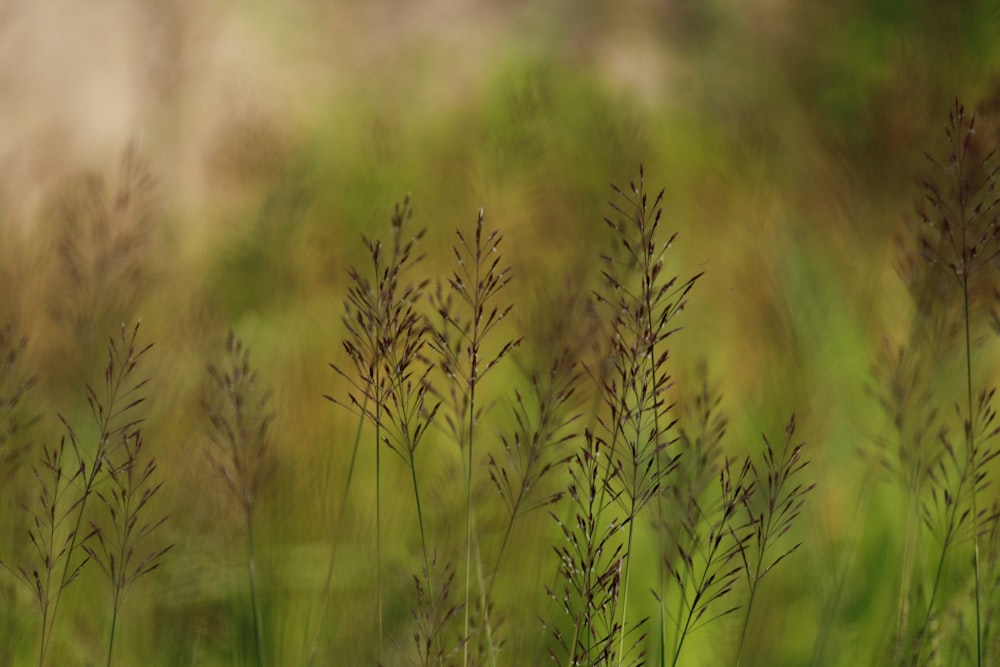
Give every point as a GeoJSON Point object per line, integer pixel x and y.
{"type": "Point", "coordinates": [239, 417]}
{"type": "Point", "coordinates": [69, 474]}
{"type": "Point", "coordinates": [468, 317]}
{"type": "Point", "coordinates": [563, 487]}
{"type": "Point", "coordinates": [959, 240]}
{"type": "Point", "coordinates": [387, 337]}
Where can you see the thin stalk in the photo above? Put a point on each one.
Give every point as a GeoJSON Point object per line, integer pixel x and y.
{"type": "Point", "coordinates": [628, 570]}
{"type": "Point", "coordinates": [488, 589]}
{"type": "Point", "coordinates": [350, 467]}
{"type": "Point", "coordinates": [633, 508]}
{"type": "Point", "coordinates": [45, 606]}
{"type": "Point", "coordinates": [254, 598]}
{"type": "Point", "coordinates": [41, 650]}
{"type": "Point", "coordinates": [906, 575]}
{"type": "Point", "coordinates": [661, 574]}
{"type": "Point", "coordinates": [754, 583]}
{"type": "Point", "coordinates": [111, 639]}
{"type": "Point", "coordinates": [971, 454]}
{"type": "Point", "coordinates": [933, 599]}
{"type": "Point", "coordinates": [115, 605]}
{"type": "Point", "coordinates": [420, 519]}
{"type": "Point", "coordinates": [678, 625]}
{"type": "Point", "coordinates": [605, 486]}
{"type": "Point", "coordinates": [746, 615]}
{"type": "Point", "coordinates": [699, 591]}
{"type": "Point", "coordinates": [633, 511]}
{"type": "Point", "coordinates": [966, 262]}
{"type": "Point", "coordinates": [378, 518]}
{"type": "Point", "coordinates": [484, 596]}
{"type": "Point", "coordinates": [945, 544]}
{"type": "Point", "coordinates": [503, 543]}
{"type": "Point", "coordinates": [116, 590]}
{"type": "Point", "coordinates": [660, 474]}
{"type": "Point", "coordinates": [468, 507]}
{"type": "Point", "coordinates": [680, 641]}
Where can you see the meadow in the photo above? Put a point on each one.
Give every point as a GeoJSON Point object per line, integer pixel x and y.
{"type": "Point", "coordinates": [505, 335]}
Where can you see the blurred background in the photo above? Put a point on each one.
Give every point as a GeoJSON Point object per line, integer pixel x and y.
{"type": "Point", "coordinates": [206, 166]}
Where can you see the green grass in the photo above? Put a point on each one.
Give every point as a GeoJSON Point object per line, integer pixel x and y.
{"type": "Point", "coordinates": [744, 420]}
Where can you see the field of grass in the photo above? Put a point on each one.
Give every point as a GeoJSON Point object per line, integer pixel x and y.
{"type": "Point", "coordinates": [500, 334]}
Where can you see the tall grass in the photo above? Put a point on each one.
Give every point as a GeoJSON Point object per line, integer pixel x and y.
{"type": "Point", "coordinates": [771, 509]}
{"type": "Point", "coordinates": [131, 488]}
{"type": "Point", "coordinates": [78, 468]}
{"type": "Point", "coordinates": [667, 525]}
{"type": "Point", "coordinates": [239, 415]}
{"type": "Point", "coordinates": [467, 316]}
{"type": "Point", "coordinates": [641, 303]}
{"type": "Point", "coordinates": [387, 335]}
{"type": "Point", "coordinates": [962, 214]}
{"type": "Point", "coordinates": [946, 265]}
{"type": "Point", "coordinates": [714, 519]}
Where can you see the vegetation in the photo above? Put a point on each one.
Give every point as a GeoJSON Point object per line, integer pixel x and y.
{"type": "Point", "coordinates": [736, 409]}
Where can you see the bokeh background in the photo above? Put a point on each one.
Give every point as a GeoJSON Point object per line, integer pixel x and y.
{"type": "Point", "coordinates": [789, 138]}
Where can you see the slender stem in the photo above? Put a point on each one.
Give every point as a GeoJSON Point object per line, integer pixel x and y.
{"type": "Point", "coordinates": [111, 638]}
{"type": "Point", "coordinates": [689, 613]}
{"type": "Point", "coordinates": [484, 594]}
{"type": "Point", "coordinates": [588, 564]}
{"type": "Point", "coordinates": [44, 601]}
{"type": "Point", "coordinates": [678, 624]}
{"type": "Point", "coordinates": [118, 579]}
{"type": "Point", "coordinates": [503, 543]}
{"type": "Point", "coordinates": [254, 598]}
{"type": "Point", "coordinates": [971, 454]}
{"type": "Point", "coordinates": [601, 495]}
{"type": "Point", "coordinates": [632, 513]}
{"type": "Point", "coordinates": [571, 662]}
{"type": "Point", "coordinates": [945, 544]}
{"type": "Point", "coordinates": [420, 516]}
{"type": "Point", "coordinates": [378, 519]}
{"type": "Point", "coordinates": [468, 506]}
{"type": "Point", "coordinates": [487, 588]}
{"type": "Point", "coordinates": [43, 642]}
{"type": "Point", "coordinates": [682, 617]}
{"type": "Point", "coordinates": [754, 582]}
{"type": "Point", "coordinates": [628, 571]}
{"type": "Point", "coordinates": [354, 458]}
{"type": "Point", "coordinates": [967, 256]}
{"type": "Point", "coordinates": [906, 575]}
{"type": "Point", "coordinates": [661, 574]}
{"type": "Point", "coordinates": [746, 619]}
